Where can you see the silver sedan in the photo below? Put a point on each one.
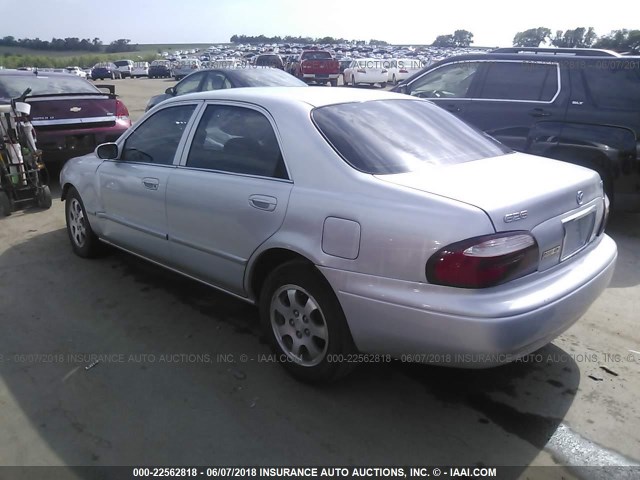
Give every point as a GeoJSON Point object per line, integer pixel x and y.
{"type": "Point", "coordinates": [364, 224]}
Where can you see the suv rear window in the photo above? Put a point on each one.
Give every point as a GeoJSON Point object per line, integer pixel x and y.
{"type": "Point", "coordinates": [520, 81]}
{"type": "Point", "coordinates": [614, 84]}
{"type": "Point", "coordinates": [398, 136]}
{"type": "Point", "coordinates": [12, 86]}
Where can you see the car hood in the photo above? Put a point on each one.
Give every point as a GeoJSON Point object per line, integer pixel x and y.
{"type": "Point", "coordinates": [509, 184]}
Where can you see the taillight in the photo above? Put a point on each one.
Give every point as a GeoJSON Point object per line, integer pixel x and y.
{"type": "Point", "coordinates": [484, 261]}
{"type": "Point", "coordinates": [122, 113]}
{"type": "Point", "coordinates": [404, 71]}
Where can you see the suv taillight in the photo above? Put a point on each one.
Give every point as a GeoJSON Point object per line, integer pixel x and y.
{"type": "Point", "coordinates": [122, 113]}
{"type": "Point", "coordinates": [484, 261]}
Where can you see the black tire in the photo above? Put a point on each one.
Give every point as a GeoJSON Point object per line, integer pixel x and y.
{"type": "Point", "coordinates": [5, 204]}
{"type": "Point", "coordinates": [43, 198]}
{"type": "Point", "coordinates": [383, 84]}
{"type": "Point", "coordinates": [334, 83]}
{"type": "Point", "coordinates": [113, 76]}
{"type": "Point", "coordinates": [309, 358]}
{"type": "Point", "coordinates": [84, 242]}
{"type": "Point", "coordinates": [353, 81]}
{"type": "Point", "coordinates": [394, 80]}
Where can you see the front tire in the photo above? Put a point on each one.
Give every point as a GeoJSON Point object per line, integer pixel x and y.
{"type": "Point", "coordinates": [84, 242]}
{"type": "Point", "coordinates": [305, 324]}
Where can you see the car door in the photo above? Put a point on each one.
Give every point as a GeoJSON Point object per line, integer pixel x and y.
{"type": "Point", "coordinates": [133, 187]}
{"type": "Point", "coordinates": [229, 195]}
{"type": "Point", "coordinates": [522, 104]}
{"type": "Point", "coordinates": [450, 86]}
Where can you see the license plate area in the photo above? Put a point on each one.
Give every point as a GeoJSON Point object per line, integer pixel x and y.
{"type": "Point", "coordinates": [578, 232]}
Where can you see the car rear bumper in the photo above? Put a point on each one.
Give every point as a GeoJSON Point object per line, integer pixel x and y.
{"type": "Point", "coordinates": [59, 146]}
{"type": "Point", "coordinates": [471, 328]}
{"type": "Point", "coordinates": [320, 76]}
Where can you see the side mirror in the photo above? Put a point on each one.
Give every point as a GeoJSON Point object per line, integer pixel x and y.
{"type": "Point", "coordinates": [403, 89]}
{"type": "Point", "coordinates": [171, 91]}
{"type": "Point", "coordinates": [107, 151]}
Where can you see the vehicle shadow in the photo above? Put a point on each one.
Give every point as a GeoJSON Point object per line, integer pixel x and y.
{"type": "Point", "coordinates": [624, 228]}
{"type": "Point", "coordinates": [183, 378]}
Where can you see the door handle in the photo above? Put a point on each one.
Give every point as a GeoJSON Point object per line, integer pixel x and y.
{"type": "Point", "coordinates": [539, 112]}
{"type": "Point", "coordinates": [452, 108]}
{"type": "Point", "coordinates": [150, 183]}
{"type": "Point", "coordinates": [263, 202]}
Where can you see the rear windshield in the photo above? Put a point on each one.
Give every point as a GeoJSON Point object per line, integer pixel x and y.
{"type": "Point", "coordinates": [269, 77]}
{"type": "Point", "coordinates": [398, 136]}
{"type": "Point", "coordinates": [122, 63]}
{"type": "Point", "coordinates": [12, 86]}
{"type": "Point", "coordinates": [316, 56]}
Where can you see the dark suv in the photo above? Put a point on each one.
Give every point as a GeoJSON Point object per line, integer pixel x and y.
{"type": "Point", "coordinates": [577, 105]}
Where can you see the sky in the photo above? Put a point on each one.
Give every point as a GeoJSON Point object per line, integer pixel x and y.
{"type": "Point", "coordinates": [493, 23]}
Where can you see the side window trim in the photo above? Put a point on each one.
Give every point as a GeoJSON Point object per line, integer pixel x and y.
{"type": "Point", "coordinates": [485, 72]}
{"type": "Point", "coordinates": [188, 138]}
{"type": "Point", "coordinates": [474, 89]}
{"type": "Point", "coordinates": [183, 141]}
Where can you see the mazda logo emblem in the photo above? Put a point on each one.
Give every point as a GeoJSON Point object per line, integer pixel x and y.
{"type": "Point", "coordinates": [580, 197]}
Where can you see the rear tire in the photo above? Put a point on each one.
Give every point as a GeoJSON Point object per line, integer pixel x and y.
{"type": "Point", "coordinates": [383, 84]}
{"type": "Point", "coordinates": [5, 204]}
{"type": "Point", "coordinates": [305, 324]}
{"type": "Point", "coordinates": [334, 83]}
{"type": "Point", "coordinates": [84, 242]}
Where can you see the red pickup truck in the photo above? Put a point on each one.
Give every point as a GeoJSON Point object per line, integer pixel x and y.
{"type": "Point", "coordinates": [317, 66]}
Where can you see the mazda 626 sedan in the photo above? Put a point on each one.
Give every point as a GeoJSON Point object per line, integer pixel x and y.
{"type": "Point", "coordinates": [358, 221]}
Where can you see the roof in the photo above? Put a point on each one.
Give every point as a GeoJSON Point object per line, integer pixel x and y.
{"type": "Point", "coordinates": [314, 96]}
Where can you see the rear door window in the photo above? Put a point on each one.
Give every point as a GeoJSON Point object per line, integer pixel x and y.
{"type": "Point", "coordinates": [237, 140]}
{"type": "Point", "coordinates": [530, 81]}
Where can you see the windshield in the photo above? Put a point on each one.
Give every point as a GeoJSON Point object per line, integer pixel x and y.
{"type": "Point", "coordinates": [398, 136]}
{"type": "Point", "coordinates": [12, 86]}
{"type": "Point", "coordinates": [270, 77]}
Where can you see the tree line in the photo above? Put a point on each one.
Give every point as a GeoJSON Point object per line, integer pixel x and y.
{"type": "Point", "coordinates": [258, 39]}
{"type": "Point", "coordinates": [622, 40]}
{"type": "Point", "coordinates": [70, 44]}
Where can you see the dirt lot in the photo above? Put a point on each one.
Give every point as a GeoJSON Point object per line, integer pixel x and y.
{"type": "Point", "coordinates": [181, 379]}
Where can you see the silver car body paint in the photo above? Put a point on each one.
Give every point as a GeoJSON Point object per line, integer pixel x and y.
{"type": "Point", "coordinates": [390, 224]}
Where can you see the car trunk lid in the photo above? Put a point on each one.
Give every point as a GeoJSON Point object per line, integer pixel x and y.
{"type": "Point", "coordinates": [559, 203]}
{"type": "Point", "coordinates": [52, 112]}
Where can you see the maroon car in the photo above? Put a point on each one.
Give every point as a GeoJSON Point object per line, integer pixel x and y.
{"type": "Point", "coordinates": [70, 115]}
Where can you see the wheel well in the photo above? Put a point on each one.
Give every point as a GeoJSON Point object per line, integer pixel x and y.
{"type": "Point", "coordinates": [65, 190]}
{"type": "Point", "coordinates": [267, 262]}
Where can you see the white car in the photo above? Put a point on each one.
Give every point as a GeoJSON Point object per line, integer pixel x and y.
{"type": "Point", "coordinates": [402, 68]}
{"type": "Point", "coordinates": [76, 71]}
{"type": "Point", "coordinates": [140, 69]}
{"type": "Point", "coordinates": [366, 70]}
